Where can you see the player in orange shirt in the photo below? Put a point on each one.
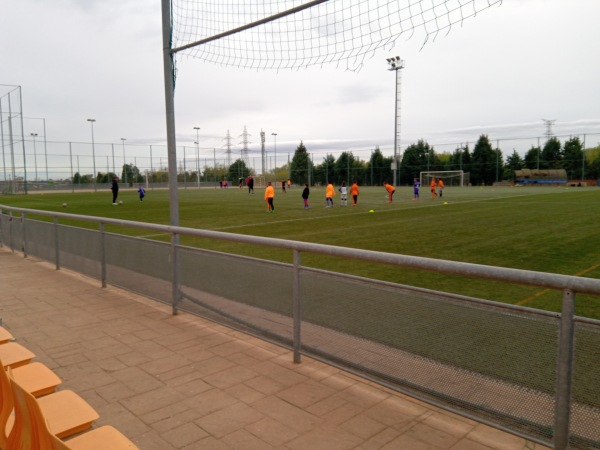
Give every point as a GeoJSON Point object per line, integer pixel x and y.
{"type": "Point", "coordinates": [329, 194]}
{"type": "Point", "coordinates": [391, 190]}
{"type": "Point", "coordinates": [354, 193]}
{"type": "Point", "coordinates": [269, 194]}
{"type": "Point", "coordinates": [440, 186]}
{"type": "Point", "coordinates": [432, 186]}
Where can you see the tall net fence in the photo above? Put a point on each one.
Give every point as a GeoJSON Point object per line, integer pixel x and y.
{"type": "Point", "coordinates": [292, 34]}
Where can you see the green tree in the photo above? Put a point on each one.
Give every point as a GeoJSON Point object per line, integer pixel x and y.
{"type": "Point", "coordinates": [345, 166]}
{"type": "Point", "coordinates": [301, 166]}
{"type": "Point", "coordinates": [532, 158]}
{"type": "Point", "coordinates": [573, 159]}
{"type": "Point", "coordinates": [552, 156]}
{"type": "Point", "coordinates": [414, 161]}
{"type": "Point", "coordinates": [485, 162]}
{"type": "Point", "coordinates": [324, 171]}
{"type": "Point", "coordinates": [513, 162]}
{"type": "Point", "coordinates": [237, 170]}
{"type": "Point", "coordinates": [379, 168]}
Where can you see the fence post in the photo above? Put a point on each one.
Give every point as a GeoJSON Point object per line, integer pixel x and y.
{"type": "Point", "coordinates": [297, 308]}
{"type": "Point", "coordinates": [564, 372]}
{"type": "Point", "coordinates": [23, 236]}
{"type": "Point", "coordinates": [10, 231]}
{"type": "Point", "coordinates": [102, 255]}
{"type": "Point", "coordinates": [176, 282]}
{"type": "Point", "coordinates": [56, 244]}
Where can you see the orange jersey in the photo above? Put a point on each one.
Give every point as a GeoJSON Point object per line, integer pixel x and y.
{"type": "Point", "coordinates": [269, 192]}
{"type": "Point", "coordinates": [389, 188]}
{"type": "Point", "coordinates": [441, 184]}
{"type": "Point", "coordinates": [354, 189]}
{"type": "Point", "coordinates": [330, 192]}
{"type": "Point", "coordinates": [433, 184]}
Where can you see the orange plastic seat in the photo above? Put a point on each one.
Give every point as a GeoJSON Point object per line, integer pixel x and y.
{"type": "Point", "coordinates": [14, 355]}
{"type": "Point", "coordinates": [5, 335]}
{"type": "Point", "coordinates": [32, 431]}
{"type": "Point", "coordinates": [36, 378]}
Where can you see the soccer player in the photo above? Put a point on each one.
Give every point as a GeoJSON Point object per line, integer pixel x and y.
{"type": "Point", "coordinates": [354, 193]}
{"type": "Point", "coordinates": [432, 187]}
{"type": "Point", "coordinates": [416, 186]}
{"type": "Point", "coordinates": [441, 186]}
{"type": "Point", "coordinates": [283, 186]}
{"type": "Point", "coordinates": [305, 194]}
{"type": "Point", "coordinates": [114, 187]}
{"type": "Point", "coordinates": [142, 193]}
{"type": "Point", "coordinates": [344, 196]}
{"type": "Point", "coordinates": [329, 194]}
{"type": "Point", "coordinates": [269, 194]}
{"type": "Point", "coordinates": [391, 190]}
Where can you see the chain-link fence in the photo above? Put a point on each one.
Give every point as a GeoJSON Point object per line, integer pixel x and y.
{"type": "Point", "coordinates": [530, 372]}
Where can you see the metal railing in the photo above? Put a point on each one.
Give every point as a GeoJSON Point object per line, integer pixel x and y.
{"type": "Point", "coordinates": [507, 366]}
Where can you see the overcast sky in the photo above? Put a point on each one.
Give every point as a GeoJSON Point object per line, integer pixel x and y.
{"type": "Point", "coordinates": [499, 74]}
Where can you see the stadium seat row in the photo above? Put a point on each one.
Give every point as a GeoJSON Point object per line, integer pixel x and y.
{"type": "Point", "coordinates": [34, 416]}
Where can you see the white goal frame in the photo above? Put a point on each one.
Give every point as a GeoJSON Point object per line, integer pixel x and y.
{"type": "Point", "coordinates": [426, 176]}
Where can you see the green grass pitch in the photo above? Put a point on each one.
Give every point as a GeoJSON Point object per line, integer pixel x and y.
{"type": "Point", "coordinates": [548, 229]}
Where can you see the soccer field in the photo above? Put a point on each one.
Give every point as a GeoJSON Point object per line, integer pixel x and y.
{"type": "Point", "coordinates": [548, 229]}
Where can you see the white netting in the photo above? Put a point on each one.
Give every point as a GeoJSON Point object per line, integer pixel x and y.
{"type": "Point", "coordinates": [316, 33]}
{"type": "Point", "coordinates": [450, 177]}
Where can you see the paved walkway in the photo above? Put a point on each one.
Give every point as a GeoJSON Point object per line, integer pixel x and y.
{"type": "Point", "coordinates": [182, 382]}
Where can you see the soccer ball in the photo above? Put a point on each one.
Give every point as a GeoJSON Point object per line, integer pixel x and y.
{"type": "Point", "coordinates": [64, 205]}
{"type": "Point", "coordinates": [120, 202]}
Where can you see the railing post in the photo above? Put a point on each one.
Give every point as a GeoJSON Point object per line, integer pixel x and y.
{"type": "Point", "coordinates": [102, 255]}
{"type": "Point", "coordinates": [23, 236]}
{"type": "Point", "coordinates": [56, 244]}
{"type": "Point", "coordinates": [1, 231]}
{"type": "Point", "coordinates": [176, 282]}
{"type": "Point", "coordinates": [10, 232]}
{"type": "Point", "coordinates": [297, 308]}
{"type": "Point", "coordinates": [564, 372]}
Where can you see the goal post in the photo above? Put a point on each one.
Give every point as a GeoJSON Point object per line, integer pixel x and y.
{"type": "Point", "coordinates": [450, 177]}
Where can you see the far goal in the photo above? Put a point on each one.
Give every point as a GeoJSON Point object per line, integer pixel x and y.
{"type": "Point", "coordinates": [450, 177]}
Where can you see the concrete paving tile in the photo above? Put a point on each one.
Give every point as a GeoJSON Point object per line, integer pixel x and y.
{"type": "Point", "coordinates": [244, 393]}
{"type": "Point", "coordinates": [297, 419]}
{"type": "Point", "coordinates": [282, 374]}
{"type": "Point", "coordinates": [176, 420]}
{"type": "Point", "coordinates": [146, 402]}
{"type": "Point", "coordinates": [164, 414]}
{"type": "Point", "coordinates": [243, 440]}
{"type": "Point", "coordinates": [183, 435]}
{"type": "Point", "coordinates": [449, 424]}
{"type": "Point", "coordinates": [363, 426]}
{"type": "Point", "coordinates": [409, 442]}
{"type": "Point", "coordinates": [329, 404]}
{"type": "Point", "coordinates": [115, 391]}
{"type": "Point", "coordinates": [467, 444]}
{"type": "Point", "coordinates": [228, 420]}
{"type": "Point", "coordinates": [494, 438]}
{"type": "Point", "coordinates": [325, 438]}
{"type": "Point", "coordinates": [265, 385]}
{"type": "Point", "coordinates": [396, 412]}
{"type": "Point", "coordinates": [433, 436]}
{"type": "Point", "coordinates": [137, 379]}
{"type": "Point", "coordinates": [272, 431]}
{"type": "Point", "coordinates": [363, 395]}
{"type": "Point", "coordinates": [230, 376]}
{"type": "Point", "coordinates": [306, 394]}
{"type": "Point", "coordinates": [379, 440]}
{"type": "Point", "coordinates": [209, 443]}
{"type": "Point", "coordinates": [159, 366]}
{"type": "Point", "coordinates": [210, 401]}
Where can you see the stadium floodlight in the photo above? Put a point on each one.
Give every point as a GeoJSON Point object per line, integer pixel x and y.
{"type": "Point", "coordinates": [396, 64]}
{"type": "Point", "coordinates": [34, 135]}
{"type": "Point", "coordinates": [124, 162]}
{"type": "Point", "coordinates": [91, 121]}
{"type": "Point", "coordinates": [275, 158]}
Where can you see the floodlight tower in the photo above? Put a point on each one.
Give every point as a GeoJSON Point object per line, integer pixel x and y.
{"type": "Point", "coordinates": [275, 158]}
{"type": "Point", "coordinates": [263, 152]}
{"type": "Point", "coordinates": [34, 135]}
{"type": "Point", "coordinates": [91, 121]}
{"type": "Point", "coordinates": [396, 64]}
{"type": "Point", "coordinates": [197, 155]}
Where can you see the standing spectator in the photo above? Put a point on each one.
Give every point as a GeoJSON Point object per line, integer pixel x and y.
{"type": "Point", "coordinates": [114, 187]}
{"type": "Point", "coordinates": [441, 186]}
{"type": "Point", "coordinates": [354, 192]}
{"type": "Point", "coordinates": [344, 196]}
{"type": "Point", "coordinates": [329, 194]}
{"type": "Point", "coordinates": [432, 187]}
{"type": "Point", "coordinates": [305, 194]}
{"type": "Point", "coordinates": [416, 187]}
{"type": "Point", "coordinates": [269, 194]}
{"type": "Point", "coordinates": [283, 186]}
{"type": "Point", "coordinates": [390, 190]}
{"type": "Point", "coordinates": [250, 183]}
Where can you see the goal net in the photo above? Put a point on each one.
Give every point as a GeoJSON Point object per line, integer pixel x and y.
{"type": "Point", "coordinates": [450, 177]}
{"type": "Point", "coordinates": [293, 34]}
